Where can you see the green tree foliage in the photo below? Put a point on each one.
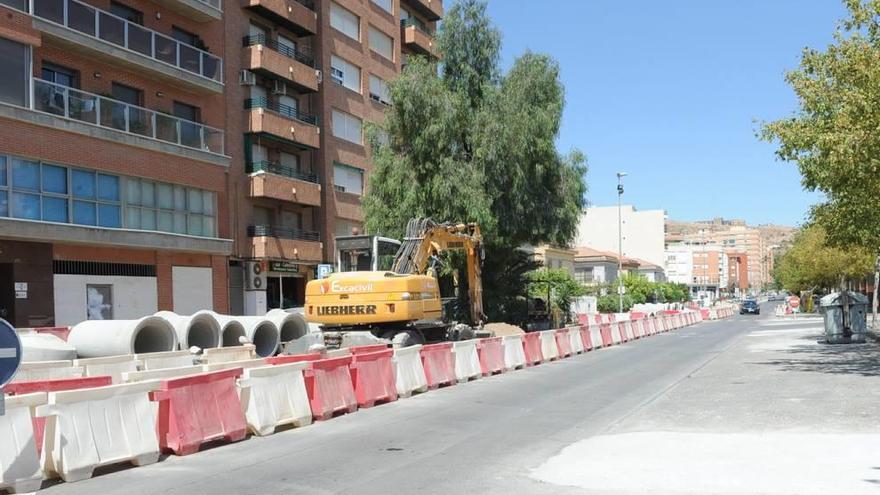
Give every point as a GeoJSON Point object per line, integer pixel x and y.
{"type": "Point", "coordinates": [610, 303]}
{"type": "Point", "coordinates": [834, 138]}
{"type": "Point", "coordinates": [469, 144]}
{"type": "Point", "coordinates": [812, 264]}
{"type": "Point", "coordinates": [562, 286]}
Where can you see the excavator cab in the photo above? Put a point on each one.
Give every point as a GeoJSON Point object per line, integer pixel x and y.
{"type": "Point", "coordinates": [365, 253]}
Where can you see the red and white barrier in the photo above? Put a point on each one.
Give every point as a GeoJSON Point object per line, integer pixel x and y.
{"type": "Point", "coordinates": [159, 360]}
{"type": "Point", "coordinates": [439, 364]}
{"type": "Point", "coordinates": [514, 352]}
{"type": "Point", "coordinates": [328, 382]}
{"type": "Point", "coordinates": [112, 366]}
{"type": "Point", "coordinates": [19, 460]}
{"type": "Point", "coordinates": [372, 375]}
{"type": "Point", "coordinates": [275, 396]}
{"type": "Point", "coordinates": [226, 354]}
{"type": "Point", "coordinates": [197, 409]}
{"type": "Point", "coordinates": [95, 427]}
{"type": "Point", "coordinates": [47, 370]}
{"type": "Point", "coordinates": [563, 342]}
{"type": "Point", "coordinates": [160, 374]}
{"type": "Point", "coordinates": [467, 360]}
{"type": "Point", "coordinates": [549, 348]}
{"type": "Point", "coordinates": [409, 372]}
{"type": "Point", "coordinates": [617, 336]}
{"type": "Point", "coordinates": [294, 358]}
{"type": "Point", "coordinates": [575, 341]}
{"type": "Point", "coordinates": [491, 354]}
{"type": "Point", "coordinates": [532, 348]}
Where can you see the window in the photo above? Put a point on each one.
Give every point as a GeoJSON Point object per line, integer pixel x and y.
{"type": "Point", "coordinates": [59, 75]}
{"type": "Point", "coordinates": [379, 90]}
{"type": "Point", "coordinates": [132, 96]}
{"type": "Point", "coordinates": [185, 36]}
{"type": "Point", "coordinates": [288, 160]}
{"type": "Point", "coordinates": [15, 60]}
{"type": "Point", "coordinates": [345, 73]}
{"type": "Point", "coordinates": [345, 22]}
{"type": "Point", "coordinates": [169, 208]}
{"type": "Point", "coordinates": [127, 13]}
{"type": "Point", "coordinates": [348, 179]}
{"type": "Point", "coordinates": [381, 43]}
{"type": "Point", "coordinates": [384, 5]}
{"type": "Point", "coordinates": [347, 127]}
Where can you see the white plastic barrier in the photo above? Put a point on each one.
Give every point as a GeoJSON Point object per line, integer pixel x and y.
{"type": "Point", "coordinates": [19, 463]}
{"type": "Point", "coordinates": [596, 336]}
{"type": "Point", "coordinates": [275, 396]}
{"type": "Point", "coordinates": [616, 334]}
{"type": "Point", "coordinates": [160, 374]}
{"type": "Point", "coordinates": [467, 360]}
{"type": "Point", "coordinates": [94, 427]}
{"type": "Point", "coordinates": [409, 372]}
{"type": "Point", "coordinates": [574, 339]}
{"type": "Point", "coordinates": [514, 354]}
{"type": "Point", "coordinates": [224, 354]}
{"type": "Point", "coordinates": [245, 363]}
{"type": "Point", "coordinates": [627, 330]}
{"type": "Point", "coordinates": [549, 349]}
{"type": "Point", "coordinates": [159, 360]}
{"type": "Point", "coordinates": [113, 366]}
{"type": "Point", "coordinates": [48, 370]}
{"type": "Point", "coordinates": [337, 353]}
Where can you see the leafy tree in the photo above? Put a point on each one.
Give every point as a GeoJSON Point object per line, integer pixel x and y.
{"type": "Point", "coordinates": [610, 303]}
{"type": "Point", "coordinates": [470, 144]}
{"type": "Point", "coordinates": [562, 286]}
{"type": "Point", "coordinates": [811, 263]}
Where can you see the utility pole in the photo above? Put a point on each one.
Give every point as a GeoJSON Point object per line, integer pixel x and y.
{"type": "Point", "coordinates": [620, 176]}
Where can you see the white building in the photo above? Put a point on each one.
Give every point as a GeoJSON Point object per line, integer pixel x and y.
{"type": "Point", "coordinates": [643, 232]}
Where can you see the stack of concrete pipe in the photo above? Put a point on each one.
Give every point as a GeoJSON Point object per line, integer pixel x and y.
{"type": "Point", "coordinates": [100, 338]}
{"type": "Point", "coordinates": [291, 326]}
{"type": "Point", "coordinates": [258, 330]}
{"type": "Point", "coordinates": [200, 329]}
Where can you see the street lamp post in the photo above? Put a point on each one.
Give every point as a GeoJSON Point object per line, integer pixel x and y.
{"type": "Point", "coordinates": [620, 176]}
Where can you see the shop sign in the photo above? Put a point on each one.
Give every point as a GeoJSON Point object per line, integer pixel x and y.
{"type": "Point", "coordinates": [283, 266]}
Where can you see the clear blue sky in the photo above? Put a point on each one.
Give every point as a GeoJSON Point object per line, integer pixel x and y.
{"type": "Point", "coordinates": [669, 91]}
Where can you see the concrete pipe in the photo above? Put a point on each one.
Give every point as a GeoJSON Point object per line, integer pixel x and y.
{"type": "Point", "coordinates": [201, 329]}
{"type": "Point", "coordinates": [291, 326]}
{"type": "Point", "coordinates": [99, 338]}
{"type": "Point", "coordinates": [232, 332]}
{"type": "Point", "coordinates": [262, 333]}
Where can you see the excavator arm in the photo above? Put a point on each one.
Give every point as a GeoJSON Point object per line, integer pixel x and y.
{"type": "Point", "coordinates": [425, 239]}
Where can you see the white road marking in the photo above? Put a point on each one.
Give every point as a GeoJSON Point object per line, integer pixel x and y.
{"type": "Point", "coordinates": [8, 352]}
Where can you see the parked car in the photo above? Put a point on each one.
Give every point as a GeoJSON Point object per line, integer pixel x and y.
{"type": "Point", "coordinates": [750, 307]}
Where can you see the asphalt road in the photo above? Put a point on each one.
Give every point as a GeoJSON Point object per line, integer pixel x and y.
{"type": "Point", "coordinates": [523, 432]}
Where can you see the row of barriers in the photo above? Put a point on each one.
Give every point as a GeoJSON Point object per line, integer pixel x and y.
{"type": "Point", "coordinates": [66, 427]}
{"type": "Point", "coordinates": [717, 313]}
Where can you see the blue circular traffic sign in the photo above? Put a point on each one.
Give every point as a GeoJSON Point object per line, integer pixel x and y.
{"type": "Point", "coordinates": [10, 352]}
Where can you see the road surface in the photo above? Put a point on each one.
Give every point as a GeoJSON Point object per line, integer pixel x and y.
{"type": "Point", "coordinates": [746, 405]}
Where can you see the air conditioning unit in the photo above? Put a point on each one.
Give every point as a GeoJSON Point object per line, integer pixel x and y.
{"type": "Point", "coordinates": [278, 88]}
{"type": "Point", "coordinates": [254, 276]}
{"type": "Point", "coordinates": [247, 78]}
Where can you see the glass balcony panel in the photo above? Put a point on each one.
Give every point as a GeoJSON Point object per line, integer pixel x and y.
{"type": "Point", "coordinates": [50, 99]}
{"type": "Point", "coordinates": [113, 114]}
{"type": "Point", "coordinates": [166, 50]}
{"type": "Point", "coordinates": [51, 10]}
{"type": "Point", "coordinates": [81, 17]}
{"type": "Point", "coordinates": [190, 134]}
{"type": "Point", "coordinates": [111, 28]}
{"type": "Point", "coordinates": [140, 121]}
{"type": "Point", "coordinates": [82, 106]}
{"type": "Point", "coordinates": [189, 58]}
{"type": "Point", "coordinates": [140, 40]}
{"type": "Point", "coordinates": [166, 128]}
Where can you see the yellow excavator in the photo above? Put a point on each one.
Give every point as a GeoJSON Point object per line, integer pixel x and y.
{"type": "Point", "coordinates": [402, 302]}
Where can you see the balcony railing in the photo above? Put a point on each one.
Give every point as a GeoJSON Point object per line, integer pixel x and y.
{"type": "Point", "coordinates": [105, 26]}
{"type": "Point", "coordinates": [278, 169]}
{"type": "Point", "coordinates": [300, 55]}
{"type": "Point", "coordinates": [113, 114]}
{"type": "Point", "coordinates": [405, 23]}
{"type": "Point", "coordinates": [281, 109]}
{"type": "Point", "coordinates": [282, 233]}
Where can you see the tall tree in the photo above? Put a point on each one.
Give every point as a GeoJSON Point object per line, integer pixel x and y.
{"type": "Point", "coordinates": [833, 137]}
{"type": "Point", "coordinates": [811, 263]}
{"type": "Point", "coordinates": [468, 144]}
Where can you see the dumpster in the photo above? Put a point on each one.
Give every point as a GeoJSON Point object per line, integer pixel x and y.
{"type": "Point", "coordinates": [845, 317]}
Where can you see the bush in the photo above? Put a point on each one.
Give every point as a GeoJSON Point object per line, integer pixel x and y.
{"type": "Point", "coordinates": [611, 303]}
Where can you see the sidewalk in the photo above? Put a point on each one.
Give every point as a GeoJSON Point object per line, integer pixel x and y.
{"type": "Point", "coordinates": [776, 412]}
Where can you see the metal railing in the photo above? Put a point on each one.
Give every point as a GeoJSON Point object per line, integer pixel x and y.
{"type": "Point", "coordinates": [281, 109]}
{"type": "Point", "coordinates": [103, 25]}
{"type": "Point", "coordinates": [113, 114]}
{"type": "Point", "coordinates": [405, 23]}
{"type": "Point", "coordinates": [300, 55]}
{"type": "Point", "coordinates": [278, 169]}
{"type": "Point", "coordinates": [282, 233]}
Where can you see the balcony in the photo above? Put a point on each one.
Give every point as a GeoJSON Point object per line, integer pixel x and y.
{"type": "Point", "coordinates": [348, 205]}
{"type": "Point", "coordinates": [430, 9]}
{"type": "Point", "coordinates": [278, 60]}
{"type": "Point", "coordinates": [285, 243]}
{"type": "Point", "coordinates": [282, 121]}
{"type": "Point", "coordinates": [100, 34]}
{"type": "Point", "coordinates": [416, 38]}
{"type": "Point", "coordinates": [197, 10]}
{"type": "Point", "coordinates": [276, 181]}
{"type": "Point", "coordinates": [123, 118]}
{"type": "Point", "coordinates": [297, 15]}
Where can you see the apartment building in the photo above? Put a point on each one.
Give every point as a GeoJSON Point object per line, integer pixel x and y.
{"type": "Point", "coordinates": [113, 167]}
{"type": "Point", "coordinates": [301, 87]}
{"type": "Point", "coordinates": [642, 231]}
